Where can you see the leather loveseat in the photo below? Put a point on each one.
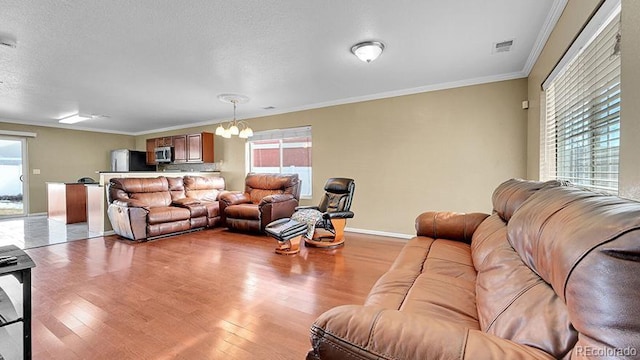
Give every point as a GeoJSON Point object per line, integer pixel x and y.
{"type": "Point", "coordinates": [554, 272]}
{"type": "Point", "coordinates": [266, 198]}
{"type": "Point", "coordinates": [145, 208]}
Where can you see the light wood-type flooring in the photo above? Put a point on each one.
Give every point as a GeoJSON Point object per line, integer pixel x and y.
{"type": "Point", "coordinates": [211, 294]}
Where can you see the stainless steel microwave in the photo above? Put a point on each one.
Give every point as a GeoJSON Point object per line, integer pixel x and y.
{"type": "Point", "coordinates": [164, 154]}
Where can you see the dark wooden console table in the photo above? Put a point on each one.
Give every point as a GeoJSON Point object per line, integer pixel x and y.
{"type": "Point", "coordinates": [22, 272]}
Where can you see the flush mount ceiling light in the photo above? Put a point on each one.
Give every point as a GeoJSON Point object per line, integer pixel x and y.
{"type": "Point", "coordinates": [75, 118]}
{"type": "Point", "coordinates": [367, 51]}
{"type": "Point", "coordinates": [234, 127]}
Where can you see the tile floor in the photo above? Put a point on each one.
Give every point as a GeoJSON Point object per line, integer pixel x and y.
{"type": "Point", "coordinates": [35, 231]}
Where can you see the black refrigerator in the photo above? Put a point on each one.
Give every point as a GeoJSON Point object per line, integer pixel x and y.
{"type": "Point", "coordinates": [130, 160]}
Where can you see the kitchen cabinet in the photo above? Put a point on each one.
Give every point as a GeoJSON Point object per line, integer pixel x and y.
{"type": "Point", "coordinates": [67, 202]}
{"type": "Point", "coordinates": [200, 148]}
{"type": "Point", "coordinates": [151, 155]}
{"type": "Point", "coordinates": [192, 148]}
{"type": "Point", "coordinates": [180, 149]}
{"type": "Point", "coordinates": [164, 141]}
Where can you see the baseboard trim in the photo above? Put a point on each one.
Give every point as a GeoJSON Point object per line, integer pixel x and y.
{"type": "Point", "coordinates": [37, 214]}
{"type": "Point", "coordinates": [379, 233]}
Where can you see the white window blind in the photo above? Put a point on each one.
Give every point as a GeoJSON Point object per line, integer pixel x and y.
{"type": "Point", "coordinates": [581, 123]}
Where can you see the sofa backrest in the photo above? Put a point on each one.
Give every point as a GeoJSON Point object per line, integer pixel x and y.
{"type": "Point", "coordinates": [509, 195]}
{"type": "Point", "coordinates": [558, 269]}
{"type": "Point", "coordinates": [513, 302]}
{"type": "Point", "coordinates": [203, 188]}
{"type": "Point", "coordinates": [258, 186]}
{"type": "Point", "coordinates": [153, 192]}
{"type": "Point", "coordinates": [586, 247]}
{"type": "Point", "coordinates": [176, 188]}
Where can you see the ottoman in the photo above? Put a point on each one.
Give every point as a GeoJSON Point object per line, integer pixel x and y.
{"type": "Point", "coordinates": [288, 234]}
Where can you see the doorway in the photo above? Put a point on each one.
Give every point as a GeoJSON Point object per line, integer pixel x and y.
{"type": "Point", "coordinates": [12, 185]}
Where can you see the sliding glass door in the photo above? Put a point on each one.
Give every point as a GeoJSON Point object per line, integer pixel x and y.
{"type": "Point", "coordinates": [12, 185]}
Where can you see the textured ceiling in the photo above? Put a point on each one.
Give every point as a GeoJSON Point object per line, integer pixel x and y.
{"type": "Point", "coordinates": [157, 64]}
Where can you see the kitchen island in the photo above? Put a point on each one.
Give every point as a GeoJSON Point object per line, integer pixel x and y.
{"type": "Point", "coordinates": [67, 202]}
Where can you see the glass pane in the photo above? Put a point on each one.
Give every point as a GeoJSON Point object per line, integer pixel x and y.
{"type": "Point", "coordinates": [265, 156]}
{"type": "Point", "coordinates": [11, 178]}
{"type": "Point", "coordinates": [296, 158]}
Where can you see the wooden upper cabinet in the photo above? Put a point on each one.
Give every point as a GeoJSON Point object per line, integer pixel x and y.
{"type": "Point", "coordinates": [180, 148]}
{"type": "Point", "coordinates": [200, 147]}
{"type": "Point", "coordinates": [164, 141]}
{"type": "Point", "coordinates": [151, 155]}
{"type": "Point", "coordinates": [192, 148]}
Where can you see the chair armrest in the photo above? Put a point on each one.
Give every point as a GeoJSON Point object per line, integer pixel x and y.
{"type": "Point", "coordinates": [372, 332]}
{"type": "Point", "coordinates": [449, 225]}
{"type": "Point", "coordinates": [276, 198]}
{"type": "Point", "coordinates": [128, 221]}
{"type": "Point", "coordinates": [314, 207]}
{"type": "Point", "coordinates": [131, 203]}
{"type": "Point", "coordinates": [235, 198]}
{"type": "Point", "coordinates": [184, 202]}
{"type": "Point", "coordinates": [338, 215]}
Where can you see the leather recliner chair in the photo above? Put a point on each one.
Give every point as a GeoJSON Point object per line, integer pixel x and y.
{"type": "Point", "coordinates": [267, 197]}
{"type": "Point", "coordinates": [335, 208]}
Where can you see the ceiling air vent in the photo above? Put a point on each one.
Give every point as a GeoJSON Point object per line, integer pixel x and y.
{"type": "Point", "coordinates": [503, 46]}
{"type": "Point", "coordinates": [6, 42]}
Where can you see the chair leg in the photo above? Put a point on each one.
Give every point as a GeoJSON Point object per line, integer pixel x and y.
{"type": "Point", "coordinates": [324, 241]}
{"type": "Point", "coordinates": [289, 247]}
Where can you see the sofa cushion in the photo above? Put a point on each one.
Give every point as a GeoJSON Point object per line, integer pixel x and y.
{"type": "Point", "coordinates": [153, 199]}
{"type": "Point", "coordinates": [243, 211]}
{"type": "Point", "coordinates": [422, 279]}
{"type": "Point", "coordinates": [262, 185]}
{"type": "Point", "coordinates": [509, 195]}
{"type": "Point", "coordinates": [165, 214]}
{"type": "Point", "coordinates": [203, 188]}
{"type": "Point", "coordinates": [213, 208]}
{"type": "Point", "coordinates": [176, 188]}
{"type": "Point", "coordinates": [587, 247]}
{"type": "Point", "coordinates": [512, 301]}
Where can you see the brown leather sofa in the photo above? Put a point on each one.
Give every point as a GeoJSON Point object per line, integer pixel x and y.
{"type": "Point", "coordinates": [553, 273]}
{"type": "Point", "coordinates": [146, 208]}
{"type": "Point", "coordinates": [267, 197]}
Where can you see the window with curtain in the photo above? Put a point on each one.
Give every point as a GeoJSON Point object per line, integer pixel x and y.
{"type": "Point", "coordinates": [285, 151]}
{"type": "Point", "coordinates": [581, 122]}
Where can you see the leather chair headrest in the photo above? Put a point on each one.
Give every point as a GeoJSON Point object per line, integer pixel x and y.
{"type": "Point", "coordinates": [339, 185]}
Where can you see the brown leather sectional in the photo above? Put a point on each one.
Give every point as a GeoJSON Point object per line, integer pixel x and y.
{"type": "Point", "coordinates": [553, 273]}
{"type": "Point", "coordinates": [145, 208]}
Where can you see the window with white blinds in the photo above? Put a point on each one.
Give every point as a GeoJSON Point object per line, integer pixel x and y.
{"type": "Point", "coordinates": [581, 122]}
{"type": "Point", "coordinates": [286, 151]}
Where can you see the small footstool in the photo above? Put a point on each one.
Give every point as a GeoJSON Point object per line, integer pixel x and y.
{"type": "Point", "coordinates": [288, 234]}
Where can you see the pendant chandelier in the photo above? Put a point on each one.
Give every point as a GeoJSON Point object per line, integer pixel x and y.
{"type": "Point", "coordinates": [234, 127]}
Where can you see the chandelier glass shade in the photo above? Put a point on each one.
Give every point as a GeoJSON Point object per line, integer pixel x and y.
{"type": "Point", "coordinates": [235, 127]}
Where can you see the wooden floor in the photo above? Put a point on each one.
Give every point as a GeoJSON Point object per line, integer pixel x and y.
{"type": "Point", "coordinates": [206, 295]}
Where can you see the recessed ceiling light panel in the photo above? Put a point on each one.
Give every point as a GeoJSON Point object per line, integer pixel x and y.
{"type": "Point", "coordinates": [75, 118]}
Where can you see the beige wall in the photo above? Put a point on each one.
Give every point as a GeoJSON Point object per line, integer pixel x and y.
{"type": "Point", "coordinates": [630, 117]}
{"type": "Point", "coordinates": [441, 150]}
{"type": "Point", "coordinates": [65, 156]}
{"type": "Point", "coordinates": [573, 18]}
